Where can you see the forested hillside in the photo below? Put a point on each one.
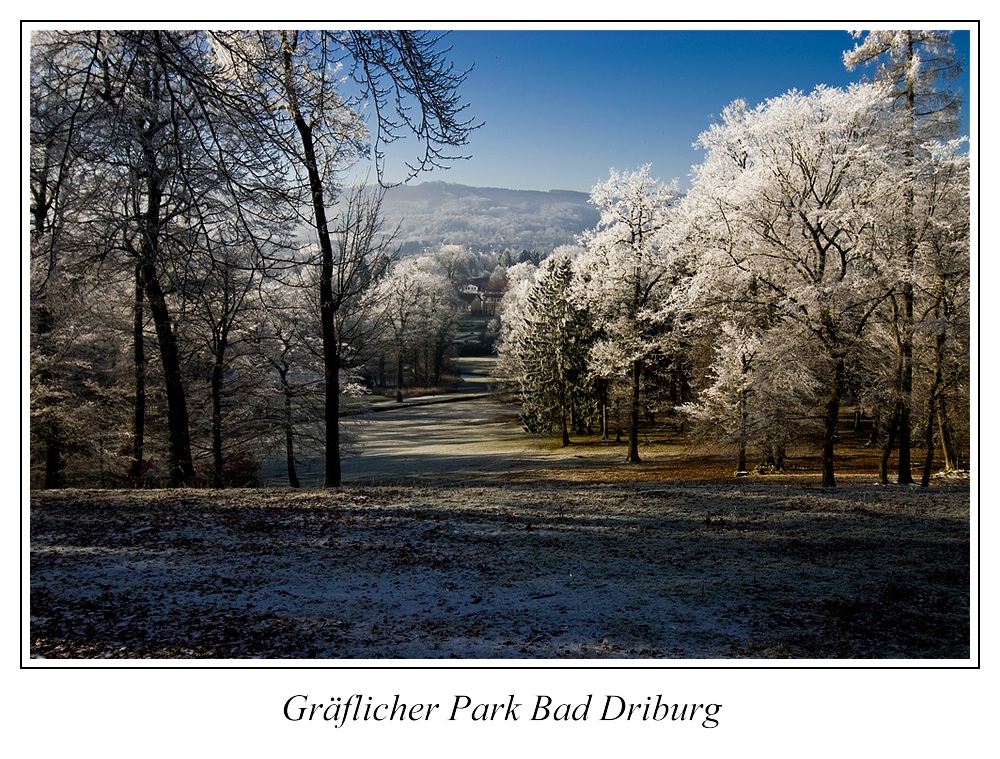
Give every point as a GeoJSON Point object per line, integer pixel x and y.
{"type": "Point", "coordinates": [486, 218]}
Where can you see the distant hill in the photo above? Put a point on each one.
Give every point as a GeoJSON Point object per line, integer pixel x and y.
{"type": "Point", "coordinates": [486, 218]}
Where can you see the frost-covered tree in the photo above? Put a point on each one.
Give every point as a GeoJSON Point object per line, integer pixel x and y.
{"type": "Point", "coordinates": [295, 76]}
{"type": "Point", "coordinates": [418, 307]}
{"type": "Point", "coordinates": [544, 348]}
{"type": "Point", "coordinates": [401, 77]}
{"type": "Point", "coordinates": [56, 192]}
{"type": "Point", "coordinates": [942, 284]}
{"type": "Point", "coordinates": [918, 66]}
{"type": "Point", "coordinates": [458, 263]}
{"type": "Point", "coordinates": [520, 280]}
{"type": "Point", "coordinates": [625, 273]}
{"type": "Point", "coordinates": [749, 393]}
{"type": "Point", "coordinates": [287, 342]}
{"type": "Point", "coordinates": [223, 305]}
{"type": "Point", "coordinates": [166, 152]}
{"type": "Point", "coordinates": [800, 182]}
{"type": "Point", "coordinates": [754, 395]}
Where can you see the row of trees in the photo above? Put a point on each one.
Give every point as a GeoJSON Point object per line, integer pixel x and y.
{"type": "Point", "coordinates": [821, 255]}
{"type": "Point", "coordinates": [186, 202]}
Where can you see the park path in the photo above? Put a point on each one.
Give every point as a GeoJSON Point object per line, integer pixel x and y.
{"type": "Point", "coordinates": [461, 436]}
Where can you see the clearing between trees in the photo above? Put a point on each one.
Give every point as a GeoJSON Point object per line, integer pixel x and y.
{"type": "Point", "coordinates": [509, 548]}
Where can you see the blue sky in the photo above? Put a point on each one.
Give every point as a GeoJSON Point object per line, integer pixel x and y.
{"type": "Point", "coordinates": [561, 108]}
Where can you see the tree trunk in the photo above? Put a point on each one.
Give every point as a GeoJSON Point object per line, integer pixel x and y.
{"type": "Point", "coordinates": [932, 405]}
{"type": "Point", "coordinates": [563, 412]}
{"type": "Point", "coordinates": [327, 306]}
{"type": "Point", "coordinates": [948, 448]}
{"type": "Point", "coordinates": [293, 476]}
{"type": "Point", "coordinates": [51, 434]}
{"type": "Point", "coordinates": [830, 425]}
{"type": "Point", "coordinates": [605, 432]}
{"type": "Point", "coordinates": [439, 353]}
{"type": "Point", "coordinates": [216, 389]}
{"type": "Point", "coordinates": [741, 458]}
{"type": "Point", "coordinates": [139, 365]}
{"type": "Point", "coordinates": [333, 470]}
{"type": "Point", "coordinates": [42, 203]}
{"type": "Point", "coordinates": [399, 373]}
{"type": "Point", "coordinates": [887, 448]}
{"type": "Point", "coordinates": [925, 479]}
{"type": "Point", "coordinates": [774, 456]}
{"type": "Point", "coordinates": [905, 468]}
{"type": "Point", "coordinates": [633, 432]}
{"type": "Point", "coordinates": [181, 466]}
{"type": "Point", "coordinates": [900, 425]}
{"type": "Point", "coordinates": [53, 459]}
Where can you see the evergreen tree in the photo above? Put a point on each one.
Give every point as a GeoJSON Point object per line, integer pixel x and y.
{"type": "Point", "coordinates": [545, 348]}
